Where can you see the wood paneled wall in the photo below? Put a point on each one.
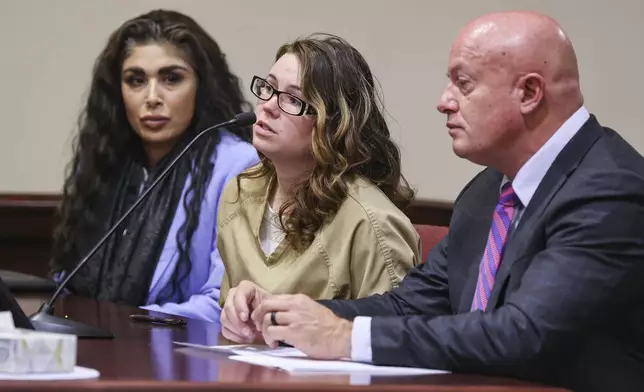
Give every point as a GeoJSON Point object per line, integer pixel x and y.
{"type": "Point", "coordinates": [27, 222]}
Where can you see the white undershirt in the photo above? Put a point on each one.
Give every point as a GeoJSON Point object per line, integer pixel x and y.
{"type": "Point", "coordinates": [270, 231]}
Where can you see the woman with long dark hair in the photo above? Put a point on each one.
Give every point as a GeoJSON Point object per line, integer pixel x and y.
{"type": "Point", "coordinates": [160, 80]}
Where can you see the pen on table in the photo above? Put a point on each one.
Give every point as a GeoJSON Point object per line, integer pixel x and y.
{"type": "Point", "coordinates": [159, 320]}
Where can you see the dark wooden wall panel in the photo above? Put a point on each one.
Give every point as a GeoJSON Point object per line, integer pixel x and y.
{"type": "Point", "coordinates": [27, 222]}
{"type": "Point", "coordinates": [26, 226]}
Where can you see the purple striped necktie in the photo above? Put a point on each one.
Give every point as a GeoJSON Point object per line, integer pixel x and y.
{"type": "Point", "coordinates": [501, 221]}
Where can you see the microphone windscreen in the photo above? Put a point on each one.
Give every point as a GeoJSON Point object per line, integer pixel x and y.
{"type": "Point", "coordinates": [246, 118]}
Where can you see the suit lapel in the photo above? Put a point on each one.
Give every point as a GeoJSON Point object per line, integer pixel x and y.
{"type": "Point", "coordinates": [563, 166]}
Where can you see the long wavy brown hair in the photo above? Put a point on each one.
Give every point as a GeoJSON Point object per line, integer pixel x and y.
{"type": "Point", "coordinates": [350, 138]}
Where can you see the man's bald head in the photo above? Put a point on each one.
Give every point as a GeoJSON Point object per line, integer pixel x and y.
{"type": "Point", "coordinates": [525, 42]}
{"type": "Point", "coordinates": [513, 81]}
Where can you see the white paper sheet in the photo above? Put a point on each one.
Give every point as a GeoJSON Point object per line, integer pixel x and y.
{"type": "Point", "coordinates": [295, 361]}
{"type": "Point", "coordinates": [222, 349]}
{"type": "Point", "coordinates": [308, 366]}
{"type": "Point", "coordinates": [243, 349]}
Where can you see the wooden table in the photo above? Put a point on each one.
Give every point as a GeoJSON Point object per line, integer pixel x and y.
{"type": "Point", "coordinates": [143, 357]}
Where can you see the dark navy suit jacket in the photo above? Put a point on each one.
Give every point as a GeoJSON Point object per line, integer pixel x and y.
{"type": "Point", "coordinates": [567, 307]}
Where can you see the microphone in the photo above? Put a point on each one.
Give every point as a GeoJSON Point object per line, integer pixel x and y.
{"type": "Point", "coordinates": [44, 319]}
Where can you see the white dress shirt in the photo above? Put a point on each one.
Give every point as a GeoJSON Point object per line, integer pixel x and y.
{"type": "Point", "coordinates": [525, 184]}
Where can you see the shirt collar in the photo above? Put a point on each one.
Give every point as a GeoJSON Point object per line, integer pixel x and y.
{"type": "Point", "coordinates": [532, 172]}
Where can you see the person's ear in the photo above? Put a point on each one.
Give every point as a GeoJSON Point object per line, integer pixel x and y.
{"type": "Point", "coordinates": [532, 88]}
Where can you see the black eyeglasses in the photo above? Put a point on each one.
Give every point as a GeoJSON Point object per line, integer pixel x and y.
{"type": "Point", "coordinates": [289, 103]}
